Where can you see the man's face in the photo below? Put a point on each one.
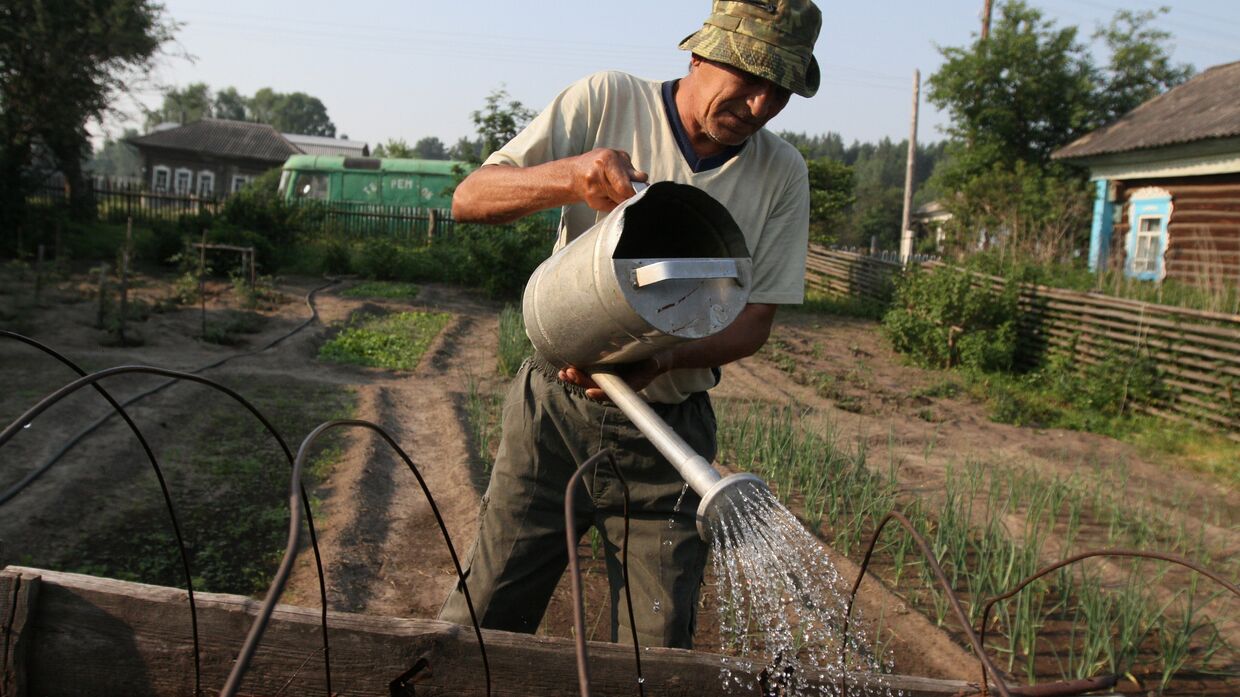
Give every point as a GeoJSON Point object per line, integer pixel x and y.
{"type": "Point", "coordinates": [734, 104]}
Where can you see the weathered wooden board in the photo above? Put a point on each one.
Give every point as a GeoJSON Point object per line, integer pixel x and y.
{"type": "Point", "coordinates": [92, 636]}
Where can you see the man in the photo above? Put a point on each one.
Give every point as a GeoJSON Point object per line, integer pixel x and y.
{"type": "Point", "coordinates": [583, 152]}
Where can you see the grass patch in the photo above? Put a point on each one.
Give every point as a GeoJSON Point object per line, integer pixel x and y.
{"type": "Point", "coordinates": [818, 302]}
{"type": "Point", "coordinates": [229, 480]}
{"type": "Point", "coordinates": [482, 411]}
{"type": "Point", "coordinates": [514, 345]}
{"type": "Point", "coordinates": [387, 290]}
{"type": "Point", "coordinates": [395, 342]}
{"type": "Point", "coordinates": [227, 328]}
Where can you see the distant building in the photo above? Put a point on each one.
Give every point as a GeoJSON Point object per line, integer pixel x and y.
{"type": "Point", "coordinates": [1167, 177]}
{"type": "Point", "coordinates": [323, 145]}
{"type": "Point", "coordinates": [214, 157]}
{"type": "Point", "coordinates": [928, 221]}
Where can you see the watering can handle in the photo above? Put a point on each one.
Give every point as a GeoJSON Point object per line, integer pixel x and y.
{"type": "Point", "coordinates": [678, 269]}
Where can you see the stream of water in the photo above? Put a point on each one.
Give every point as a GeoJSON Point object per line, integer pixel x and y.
{"type": "Point", "coordinates": [782, 606]}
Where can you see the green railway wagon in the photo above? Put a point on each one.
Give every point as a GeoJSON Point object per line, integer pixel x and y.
{"type": "Point", "coordinates": [403, 183]}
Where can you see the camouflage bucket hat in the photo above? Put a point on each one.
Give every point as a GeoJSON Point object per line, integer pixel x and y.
{"type": "Point", "coordinates": [773, 39]}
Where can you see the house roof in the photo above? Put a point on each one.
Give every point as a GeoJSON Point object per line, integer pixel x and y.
{"type": "Point", "coordinates": [323, 145]}
{"type": "Point", "coordinates": [256, 141]}
{"type": "Point", "coordinates": [1204, 108]}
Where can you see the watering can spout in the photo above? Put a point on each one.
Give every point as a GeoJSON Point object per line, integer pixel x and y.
{"type": "Point", "coordinates": [721, 496]}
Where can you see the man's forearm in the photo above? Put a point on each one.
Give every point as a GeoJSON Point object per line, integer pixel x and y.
{"type": "Point", "coordinates": [602, 178]}
{"type": "Point", "coordinates": [738, 340]}
{"type": "Point", "coordinates": [501, 194]}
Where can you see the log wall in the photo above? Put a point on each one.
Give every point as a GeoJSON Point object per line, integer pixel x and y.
{"type": "Point", "coordinates": [1203, 234]}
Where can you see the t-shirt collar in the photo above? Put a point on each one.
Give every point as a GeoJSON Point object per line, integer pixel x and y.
{"type": "Point", "coordinates": [696, 164]}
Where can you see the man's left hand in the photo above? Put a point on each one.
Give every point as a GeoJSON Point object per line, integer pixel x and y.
{"type": "Point", "coordinates": [638, 375]}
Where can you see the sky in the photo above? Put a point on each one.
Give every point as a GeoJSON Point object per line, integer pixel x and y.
{"type": "Point", "coordinates": [412, 68]}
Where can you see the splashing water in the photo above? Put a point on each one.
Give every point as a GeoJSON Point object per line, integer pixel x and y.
{"type": "Point", "coordinates": [782, 607]}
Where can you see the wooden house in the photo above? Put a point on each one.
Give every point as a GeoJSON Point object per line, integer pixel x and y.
{"type": "Point", "coordinates": [1167, 182]}
{"type": "Point", "coordinates": [210, 158]}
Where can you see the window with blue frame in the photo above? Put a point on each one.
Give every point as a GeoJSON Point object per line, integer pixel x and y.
{"type": "Point", "coordinates": [1147, 233]}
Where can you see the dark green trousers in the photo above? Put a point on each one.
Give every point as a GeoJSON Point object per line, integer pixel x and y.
{"type": "Point", "coordinates": [549, 429]}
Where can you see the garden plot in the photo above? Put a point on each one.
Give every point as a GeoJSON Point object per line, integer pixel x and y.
{"type": "Point", "coordinates": [892, 435]}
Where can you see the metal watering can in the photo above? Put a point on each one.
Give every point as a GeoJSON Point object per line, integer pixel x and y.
{"type": "Point", "coordinates": [666, 266]}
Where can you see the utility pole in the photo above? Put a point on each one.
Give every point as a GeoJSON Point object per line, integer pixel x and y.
{"type": "Point", "coordinates": [906, 221]}
{"type": "Point", "coordinates": [986, 20]}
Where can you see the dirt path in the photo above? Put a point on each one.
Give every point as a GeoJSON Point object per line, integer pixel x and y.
{"type": "Point", "coordinates": [385, 554]}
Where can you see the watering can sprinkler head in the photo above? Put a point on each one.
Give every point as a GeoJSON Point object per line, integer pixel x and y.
{"type": "Point", "coordinates": [725, 502]}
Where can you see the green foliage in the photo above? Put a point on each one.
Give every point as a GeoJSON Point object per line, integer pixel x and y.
{"type": "Point", "coordinates": [383, 289]}
{"type": "Point", "coordinates": [943, 319]}
{"type": "Point", "coordinates": [225, 329]}
{"type": "Point", "coordinates": [1020, 94]}
{"type": "Point", "coordinates": [844, 305]}
{"type": "Point", "coordinates": [500, 260]}
{"type": "Point", "coordinates": [430, 148]}
{"type": "Point", "coordinates": [186, 105]}
{"type": "Point", "coordinates": [1140, 66]}
{"type": "Point", "coordinates": [379, 258]}
{"type": "Point", "coordinates": [514, 345]}
{"type": "Point", "coordinates": [1031, 88]}
{"type": "Point", "coordinates": [831, 192]}
{"type": "Point", "coordinates": [876, 199]}
{"type": "Point", "coordinates": [62, 64]}
{"type": "Point", "coordinates": [393, 147]}
{"type": "Point", "coordinates": [396, 342]}
{"type": "Point", "coordinates": [229, 104]}
{"type": "Point", "coordinates": [295, 112]}
{"type": "Point", "coordinates": [499, 122]}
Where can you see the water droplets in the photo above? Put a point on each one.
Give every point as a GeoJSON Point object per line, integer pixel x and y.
{"type": "Point", "coordinates": [782, 606]}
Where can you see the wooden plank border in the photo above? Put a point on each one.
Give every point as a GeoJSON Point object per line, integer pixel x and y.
{"type": "Point", "coordinates": [96, 636]}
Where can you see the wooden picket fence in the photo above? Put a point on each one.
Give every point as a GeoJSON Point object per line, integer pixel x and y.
{"type": "Point", "coordinates": [850, 273]}
{"type": "Point", "coordinates": [1196, 352]}
{"type": "Point", "coordinates": [117, 202]}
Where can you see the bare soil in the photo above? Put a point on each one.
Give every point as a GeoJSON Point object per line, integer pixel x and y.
{"type": "Point", "coordinates": [381, 549]}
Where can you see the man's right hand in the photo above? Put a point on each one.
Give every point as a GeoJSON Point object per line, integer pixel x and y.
{"type": "Point", "coordinates": [604, 177]}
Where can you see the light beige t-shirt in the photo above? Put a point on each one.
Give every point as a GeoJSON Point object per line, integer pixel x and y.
{"type": "Point", "coordinates": [765, 186]}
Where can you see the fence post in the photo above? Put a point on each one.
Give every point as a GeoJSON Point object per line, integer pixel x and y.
{"type": "Point", "coordinates": [202, 284]}
{"type": "Point", "coordinates": [103, 295]}
{"type": "Point", "coordinates": [432, 225]}
{"type": "Point", "coordinates": [120, 326]}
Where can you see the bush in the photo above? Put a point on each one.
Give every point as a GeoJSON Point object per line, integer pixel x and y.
{"type": "Point", "coordinates": [942, 319]}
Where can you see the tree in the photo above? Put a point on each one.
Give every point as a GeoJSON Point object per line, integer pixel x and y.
{"type": "Point", "coordinates": [263, 105]}
{"type": "Point", "coordinates": [1015, 98]}
{"type": "Point", "coordinates": [229, 104]}
{"type": "Point", "coordinates": [300, 113]}
{"type": "Point", "coordinates": [430, 148]}
{"type": "Point", "coordinates": [499, 121]}
{"type": "Point", "coordinates": [1140, 64]}
{"type": "Point", "coordinates": [831, 188]}
{"type": "Point", "coordinates": [394, 147]}
{"type": "Point", "coordinates": [182, 106]}
{"type": "Point", "coordinates": [62, 64]}
{"type": "Point", "coordinates": [466, 150]}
